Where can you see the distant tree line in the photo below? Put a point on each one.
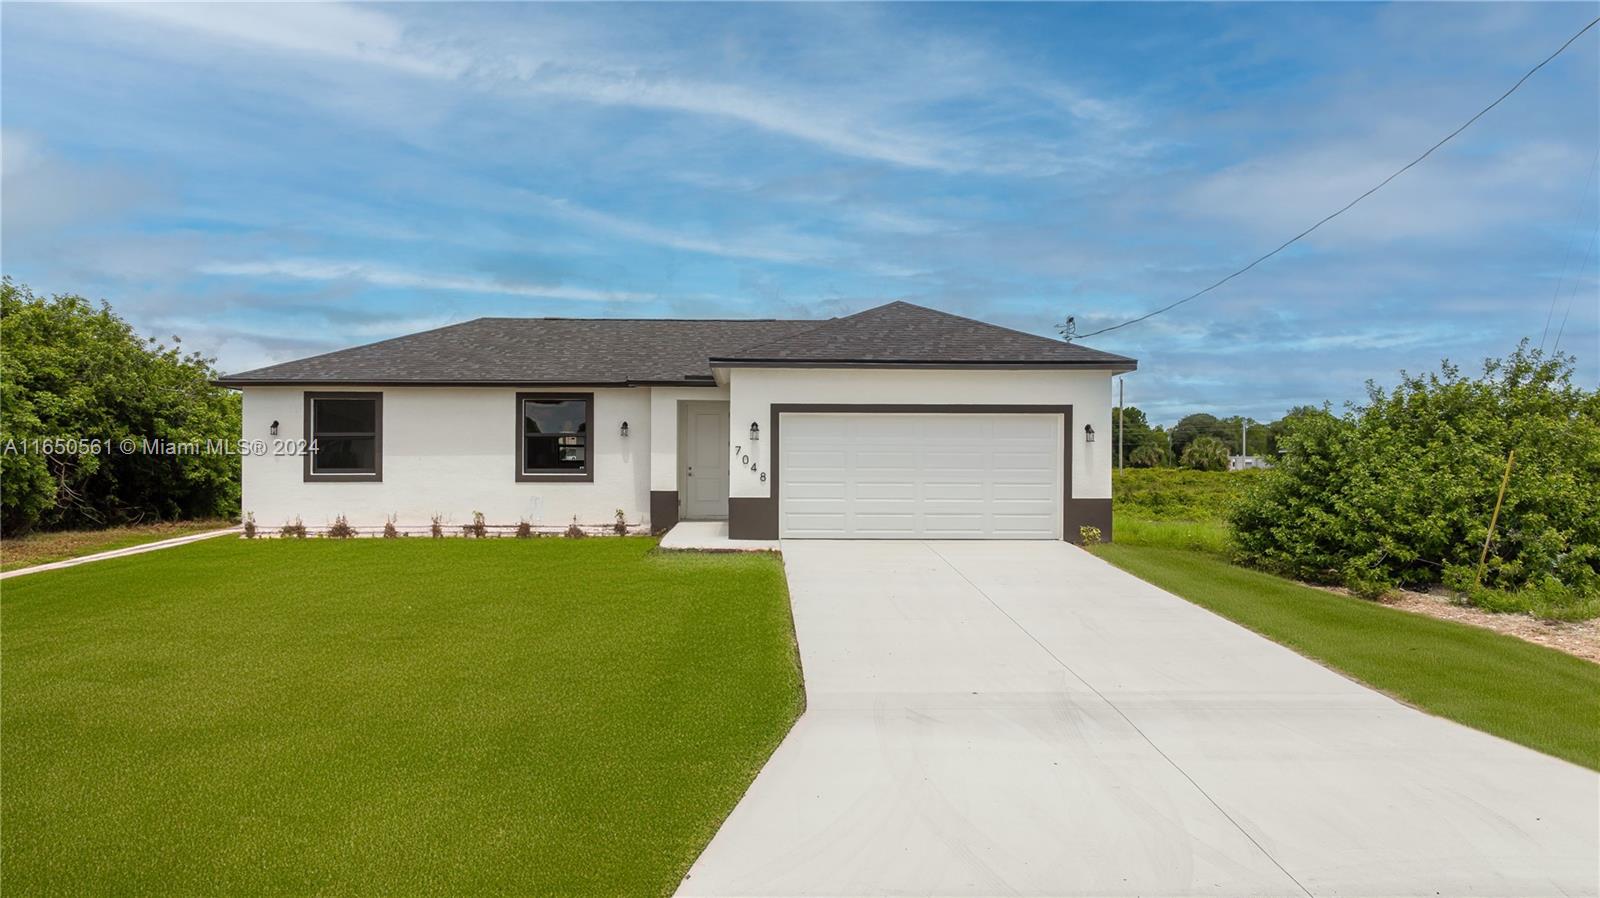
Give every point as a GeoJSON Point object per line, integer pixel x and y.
{"type": "Point", "coordinates": [76, 382]}
{"type": "Point", "coordinates": [1199, 441]}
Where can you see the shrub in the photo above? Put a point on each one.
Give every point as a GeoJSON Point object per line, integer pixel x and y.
{"type": "Point", "coordinates": [1088, 535]}
{"type": "Point", "coordinates": [296, 530]}
{"type": "Point", "coordinates": [390, 531]}
{"type": "Point", "coordinates": [477, 528]}
{"type": "Point", "coordinates": [70, 368]}
{"type": "Point", "coordinates": [250, 525]}
{"type": "Point", "coordinates": [1178, 494]}
{"type": "Point", "coordinates": [1205, 453]}
{"type": "Point", "coordinates": [621, 526]}
{"type": "Point", "coordinates": [1399, 492]}
{"type": "Point", "coordinates": [341, 528]}
{"type": "Point", "coordinates": [574, 531]}
{"type": "Point", "coordinates": [524, 529]}
{"type": "Point", "coordinates": [437, 530]}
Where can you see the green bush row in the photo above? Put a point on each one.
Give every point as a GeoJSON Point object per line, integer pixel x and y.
{"type": "Point", "coordinates": [1400, 491]}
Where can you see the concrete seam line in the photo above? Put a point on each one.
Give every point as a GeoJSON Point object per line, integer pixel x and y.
{"type": "Point", "coordinates": [1120, 713]}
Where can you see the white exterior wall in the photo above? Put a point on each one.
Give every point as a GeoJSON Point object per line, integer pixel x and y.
{"type": "Point", "coordinates": [754, 390]}
{"type": "Point", "coordinates": [664, 429]}
{"type": "Point", "coordinates": [449, 451]}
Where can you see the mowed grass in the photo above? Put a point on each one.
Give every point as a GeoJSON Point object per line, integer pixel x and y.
{"type": "Point", "coordinates": [1541, 698]}
{"type": "Point", "coordinates": [412, 716]}
{"type": "Point", "coordinates": [43, 548]}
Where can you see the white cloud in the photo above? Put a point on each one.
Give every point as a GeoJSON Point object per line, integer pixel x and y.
{"type": "Point", "coordinates": [768, 246]}
{"type": "Point", "coordinates": [381, 276]}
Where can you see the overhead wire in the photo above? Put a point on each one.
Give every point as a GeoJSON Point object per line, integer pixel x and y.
{"type": "Point", "coordinates": [1347, 206]}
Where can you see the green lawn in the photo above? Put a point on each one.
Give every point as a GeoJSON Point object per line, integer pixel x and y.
{"type": "Point", "coordinates": [1526, 693]}
{"type": "Point", "coordinates": [43, 548]}
{"type": "Point", "coordinates": [386, 716]}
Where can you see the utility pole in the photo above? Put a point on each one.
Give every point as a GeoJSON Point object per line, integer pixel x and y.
{"type": "Point", "coordinates": [1120, 383]}
{"type": "Point", "coordinates": [1244, 436]}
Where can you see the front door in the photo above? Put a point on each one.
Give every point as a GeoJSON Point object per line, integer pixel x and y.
{"type": "Point", "coordinates": [706, 462]}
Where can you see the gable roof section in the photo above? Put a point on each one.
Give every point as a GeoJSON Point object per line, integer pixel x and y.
{"type": "Point", "coordinates": [903, 334]}
{"type": "Point", "coordinates": [626, 351]}
{"type": "Point", "coordinates": [488, 351]}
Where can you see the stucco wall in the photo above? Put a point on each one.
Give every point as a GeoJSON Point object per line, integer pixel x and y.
{"type": "Point", "coordinates": [449, 451]}
{"type": "Point", "coordinates": [753, 391]}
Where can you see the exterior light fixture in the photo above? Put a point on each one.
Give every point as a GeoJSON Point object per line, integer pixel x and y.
{"type": "Point", "coordinates": [1088, 433]}
{"type": "Point", "coordinates": [624, 429]}
{"type": "Point", "coordinates": [755, 431]}
{"type": "Point", "coordinates": [274, 429]}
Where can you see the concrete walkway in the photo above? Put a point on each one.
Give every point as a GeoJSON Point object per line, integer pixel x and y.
{"type": "Point", "coordinates": [1022, 719]}
{"type": "Point", "coordinates": [119, 553]}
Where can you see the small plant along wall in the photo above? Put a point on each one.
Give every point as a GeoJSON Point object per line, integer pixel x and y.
{"type": "Point", "coordinates": [441, 526]}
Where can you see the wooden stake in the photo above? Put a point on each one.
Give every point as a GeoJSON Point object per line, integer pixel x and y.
{"type": "Point", "coordinates": [1483, 559]}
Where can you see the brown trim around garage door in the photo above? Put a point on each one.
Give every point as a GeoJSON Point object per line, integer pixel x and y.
{"type": "Point", "coordinates": [757, 517]}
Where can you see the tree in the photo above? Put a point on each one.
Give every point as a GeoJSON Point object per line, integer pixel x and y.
{"type": "Point", "coordinates": [1205, 453]}
{"type": "Point", "coordinates": [77, 372]}
{"type": "Point", "coordinates": [1150, 455]}
{"type": "Point", "coordinates": [1135, 430]}
{"type": "Point", "coordinates": [1201, 424]}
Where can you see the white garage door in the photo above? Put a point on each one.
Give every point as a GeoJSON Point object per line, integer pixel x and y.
{"type": "Point", "coordinates": [889, 476]}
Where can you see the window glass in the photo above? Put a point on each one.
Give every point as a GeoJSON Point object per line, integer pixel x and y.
{"type": "Point", "coordinates": [345, 432]}
{"type": "Point", "coordinates": [345, 415]}
{"type": "Point", "coordinates": [555, 435]}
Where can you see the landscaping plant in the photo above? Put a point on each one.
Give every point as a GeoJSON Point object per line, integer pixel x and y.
{"type": "Point", "coordinates": [1399, 491]}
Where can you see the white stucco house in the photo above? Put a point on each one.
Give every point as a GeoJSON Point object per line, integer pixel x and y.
{"type": "Point", "coordinates": [896, 422]}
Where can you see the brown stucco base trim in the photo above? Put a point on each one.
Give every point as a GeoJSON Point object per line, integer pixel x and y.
{"type": "Point", "coordinates": [663, 510]}
{"type": "Point", "coordinates": [752, 518]}
{"type": "Point", "coordinates": [1087, 513]}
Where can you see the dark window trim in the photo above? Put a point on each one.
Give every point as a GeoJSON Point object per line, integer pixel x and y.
{"type": "Point", "coordinates": [588, 444]}
{"type": "Point", "coordinates": [377, 446]}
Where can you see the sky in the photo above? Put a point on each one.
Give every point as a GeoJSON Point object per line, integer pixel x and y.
{"type": "Point", "coordinates": [275, 181]}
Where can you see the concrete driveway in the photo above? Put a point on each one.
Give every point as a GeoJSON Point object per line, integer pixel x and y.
{"type": "Point", "coordinates": [1021, 718]}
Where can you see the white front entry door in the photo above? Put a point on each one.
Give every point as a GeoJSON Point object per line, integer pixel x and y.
{"type": "Point", "coordinates": [706, 462]}
{"type": "Point", "coordinates": [908, 476]}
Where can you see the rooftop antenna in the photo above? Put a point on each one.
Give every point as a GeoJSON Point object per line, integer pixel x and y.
{"type": "Point", "coordinates": [1069, 329]}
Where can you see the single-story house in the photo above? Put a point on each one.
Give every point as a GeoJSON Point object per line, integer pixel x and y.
{"type": "Point", "coordinates": [896, 422]}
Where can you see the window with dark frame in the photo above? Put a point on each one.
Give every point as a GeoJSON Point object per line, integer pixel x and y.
{"type": "Point", "coordinates": [553, 436]}
{"type": "Point", "coordinates": [345, 429]}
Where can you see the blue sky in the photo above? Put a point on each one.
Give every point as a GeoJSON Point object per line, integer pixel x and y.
{"type": "Point", "coordinates": [275, 181]}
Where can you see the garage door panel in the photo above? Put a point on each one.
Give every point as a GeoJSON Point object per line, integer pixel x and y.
{"type": "Point", "coordinates": [907, 475]}
{"type": "Point", "coordinates": [903, 491]}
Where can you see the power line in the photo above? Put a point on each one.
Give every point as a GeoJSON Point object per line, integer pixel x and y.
{"type": "Point", "coordinates": [1347, 206]}
{"type": "Point", "coordinates": [1577, 287]}
{"type": "Point", "coordinates": [1572, 242]}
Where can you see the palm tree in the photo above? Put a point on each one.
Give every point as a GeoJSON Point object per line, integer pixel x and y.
{"type": "Point", "coordinates": [1149, 455]}
{"type": "Point", "coordinates": [1205, 453]}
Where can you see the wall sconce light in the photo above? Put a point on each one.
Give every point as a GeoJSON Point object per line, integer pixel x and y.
{"type": "Point", "coordinates": [755, 431]}
{"type": "Point", "coordinates": [273, 429]}
{"type": "Point", "coordinates": [624, 430]}
{"type": "Point", "coordinates": [1088, 433]}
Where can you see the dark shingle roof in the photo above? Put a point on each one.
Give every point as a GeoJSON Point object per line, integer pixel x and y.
{"type": "Point", "coordinates": [910, 334]}
{"type": "Point", "coordinates": [634, 350]}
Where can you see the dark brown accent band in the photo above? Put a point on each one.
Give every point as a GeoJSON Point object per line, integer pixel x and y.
{"type": "Point", "coordinates": [377, 443]}
{"type": "Point", "coordinates": [663, 510]}
{"type": "Point", "coordinates": [757, 518]}
{"type": "Point", "coordinates": [1087, 513]}
{"type": "Point", "coordinates": [753, 517]}
{"type": "Point", "coordinates": [587, 475]}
